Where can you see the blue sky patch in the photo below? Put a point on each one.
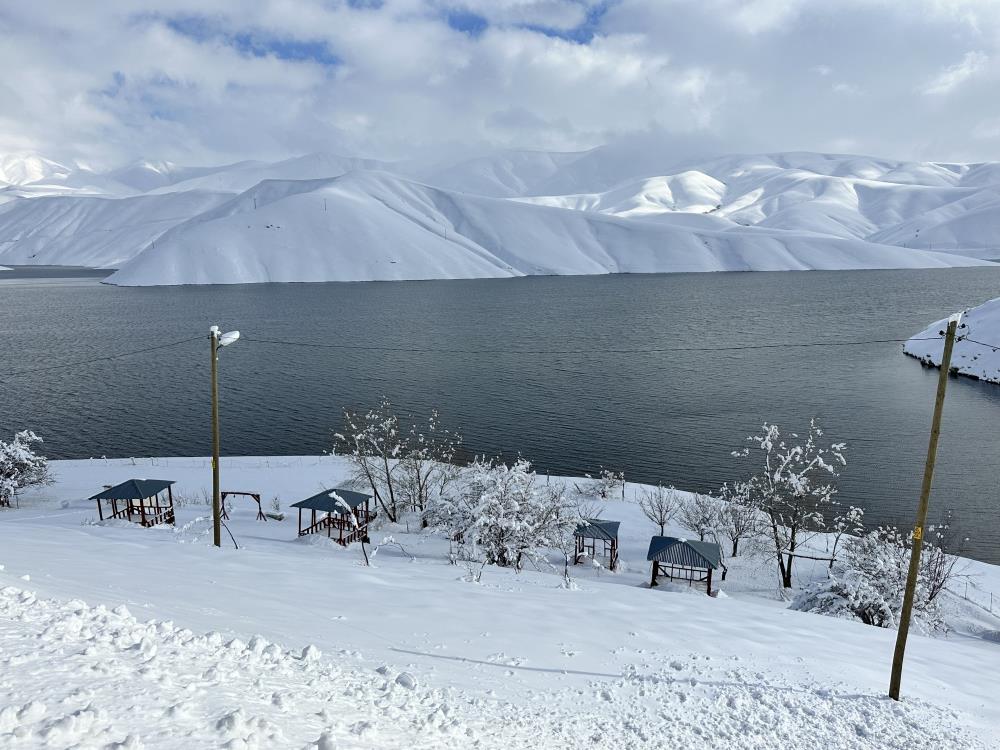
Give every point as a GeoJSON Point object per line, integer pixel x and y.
{"type": "Point", "coordinates": [254, 43]}
{"type": "Point", "coordinates": [582, 34]}
{"type": "Point", "coordinates": [466, 22]}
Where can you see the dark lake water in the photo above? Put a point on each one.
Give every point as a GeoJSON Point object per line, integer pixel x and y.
{"type": "Point", "coordinates": [671, 417]}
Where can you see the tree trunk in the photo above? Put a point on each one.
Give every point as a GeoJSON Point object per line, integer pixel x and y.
{"type": "Point", "coordinates": [786, 579]}
{"type": "Point", "coordinates": [777, 550]}
{"type": "Point", "coordinates": [735, 543]}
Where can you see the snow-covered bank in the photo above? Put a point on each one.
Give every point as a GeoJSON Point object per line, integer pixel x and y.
{"type": "Point", "coordinates": [977, 355]}
{"type": "Point", "coordinates": [515, 661]}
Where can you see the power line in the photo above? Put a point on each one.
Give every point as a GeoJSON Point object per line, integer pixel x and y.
{"type": "Point", "coordinates": [651, 350]}
{"type": "Point", "coordinates": [439, 350]}
{"type": "Point", "coordinates": [982, 343]}
{"type": "Point", "coordinates": [104, 358]}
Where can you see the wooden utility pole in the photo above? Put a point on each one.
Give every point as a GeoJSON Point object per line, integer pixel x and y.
{"type": "Point", "coordinates": [918, 527]}
{"type": "Point", "coordinates": [213, 336]}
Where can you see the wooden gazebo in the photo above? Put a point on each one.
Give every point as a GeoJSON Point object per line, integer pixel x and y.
{"type": "Point", "coordinates": [344, 511]}
{"type": "Point", "coordinates": [594, 532]}
{"type": "Point", "coordinates": [147, 501]}
{"type": "Point", "coordinates": [684, 560]}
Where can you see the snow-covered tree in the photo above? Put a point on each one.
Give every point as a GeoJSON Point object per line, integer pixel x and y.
{"type": "Point", "coordinates": [739, 519]}
{"type": "Point", "coordinates": [20, 466]}
{"type": "Point", "coordinates": [659, 504]}
{"type": "Point", "coordinates": [610, 483]}
{"type": "Point", "coordinates": [607, 484]}
{"type": "Point", "coordinates": [794, 487]}
{"type": "Point", "coordinates": [851, 521]}
{"type": "Point", "coordinates": [870, 584]}
{"type": "Point", "coordinates": [426, 465]}
{"type": "Point", "coordinates": [700, 515]}
{"type": "Point", "coordinates": [505, 512]}
{"type": "Point", "coordinates": [372, 443]}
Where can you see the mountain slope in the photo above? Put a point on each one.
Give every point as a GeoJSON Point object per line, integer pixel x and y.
{"type": "Point", "coordinates": [91, 231]}
{"type": "Point", "coordinates": [375, 226]}
{"type": "Point", "coordinates": [613, 209]}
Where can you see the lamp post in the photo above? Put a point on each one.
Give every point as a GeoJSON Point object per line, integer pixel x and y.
{"type": "Point", "coordinates": [217, 341]}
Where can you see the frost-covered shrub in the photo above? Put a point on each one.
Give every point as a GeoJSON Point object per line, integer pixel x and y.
{"type": "Point", "coordinates": [870, 584]}
{"type": "Point", "coordinates": [606, 485]}
{"type": "Point", "coordinates": [402, 468]}
{"type": "Point", "coordinates": [504, 512]}
{"type": "Point", "coordinates": [20, 466]}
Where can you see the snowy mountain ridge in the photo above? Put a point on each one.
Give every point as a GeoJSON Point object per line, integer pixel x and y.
{"type": "Point", "coordinates": [325, 217]}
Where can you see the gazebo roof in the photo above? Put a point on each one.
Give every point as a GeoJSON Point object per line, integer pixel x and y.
{"type": "Point", "coordinates": [133, 489]}
{"type": "Point", "coordinates": [684, 552]}
{"type": "Point", "coordinates": [598, 528]}
{"type": "Point", "coordinates": [325, 501]}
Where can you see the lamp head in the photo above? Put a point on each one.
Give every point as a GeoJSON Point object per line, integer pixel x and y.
{"type": "Point", "coordinates": [229, 338]}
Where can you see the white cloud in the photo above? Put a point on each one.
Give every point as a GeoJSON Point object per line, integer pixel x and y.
{"type": "Point", "coordinates": [214, 80]}
{"type": "Point", "coordinates": [846, 89]}
{"type": "Point", "coordinates": [955, 75]}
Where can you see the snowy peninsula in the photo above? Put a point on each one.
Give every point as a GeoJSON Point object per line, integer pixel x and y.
{"type": "Point", "coordinates": [976, 355]}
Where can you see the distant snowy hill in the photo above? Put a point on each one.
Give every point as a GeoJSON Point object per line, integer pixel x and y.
{"type": "Point", "coordinates": [21, 169]}
{"type": "Point", "coordinates": [326, 217]}
{"type": "Point", "coordinates": [370, 225]}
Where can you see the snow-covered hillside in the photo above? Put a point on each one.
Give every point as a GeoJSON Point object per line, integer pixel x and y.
{"type": "Point", "coordinates": [323, 217]}
{"type": "Point", "coordinates": [371, 225]}
{"type": "Point", "coordinates": [25, 168]}
{"type": "Point", "coordinates": [976, 355]}
{"type": "Point", "coordinates": [110, 633]}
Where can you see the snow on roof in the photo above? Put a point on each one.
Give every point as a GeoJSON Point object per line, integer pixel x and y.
{"type": "Point", "coordinates": [133, 489]}
{"type": "Point", "coordinates": [598, 528]}
{"type": "Point", "coordinates": [684, 552]}
{"type": "Point", "coordinates": [327, 501]}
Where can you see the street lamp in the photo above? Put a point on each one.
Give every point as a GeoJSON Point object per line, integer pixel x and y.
{"type": "Point", "coordinates": [217, 340]}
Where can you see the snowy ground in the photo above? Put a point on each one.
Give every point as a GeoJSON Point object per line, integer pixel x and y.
{"type": "Point", "coordinates": [115, 634]}
{"type": "Point", "coordinates": [970, 356]}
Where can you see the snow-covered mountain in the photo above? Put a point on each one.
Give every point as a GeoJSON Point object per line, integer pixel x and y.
{"type": "Point", "coordinates": [24, 168]}
{"type": "Point", "coordinates": [326, 217]}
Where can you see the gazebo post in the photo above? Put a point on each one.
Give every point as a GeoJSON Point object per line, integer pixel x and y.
{"type": "Point", "coordinates": [170, 497]}
{"type": "Point", "coordinates": [300, 521]}
{"type": "Point", "coordinates": [709, 581]}
{"type": "Point", "coordinates": [142, 510]}
{"type": "Point", "coordinates": [656, 569]}
{"type": "Point", "coordinates": [100, 511]}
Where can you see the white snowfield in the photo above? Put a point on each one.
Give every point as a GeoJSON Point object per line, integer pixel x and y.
{"type": "Point", "coordinates": [976, 355]}
{"type": "Point", "coordinates": [323, 217]}
{"type": "Point", "coordinates": [116, 636]}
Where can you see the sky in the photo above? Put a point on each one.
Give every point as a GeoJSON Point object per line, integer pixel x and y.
{"type": "Point", "coordinates": [211, 81]}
